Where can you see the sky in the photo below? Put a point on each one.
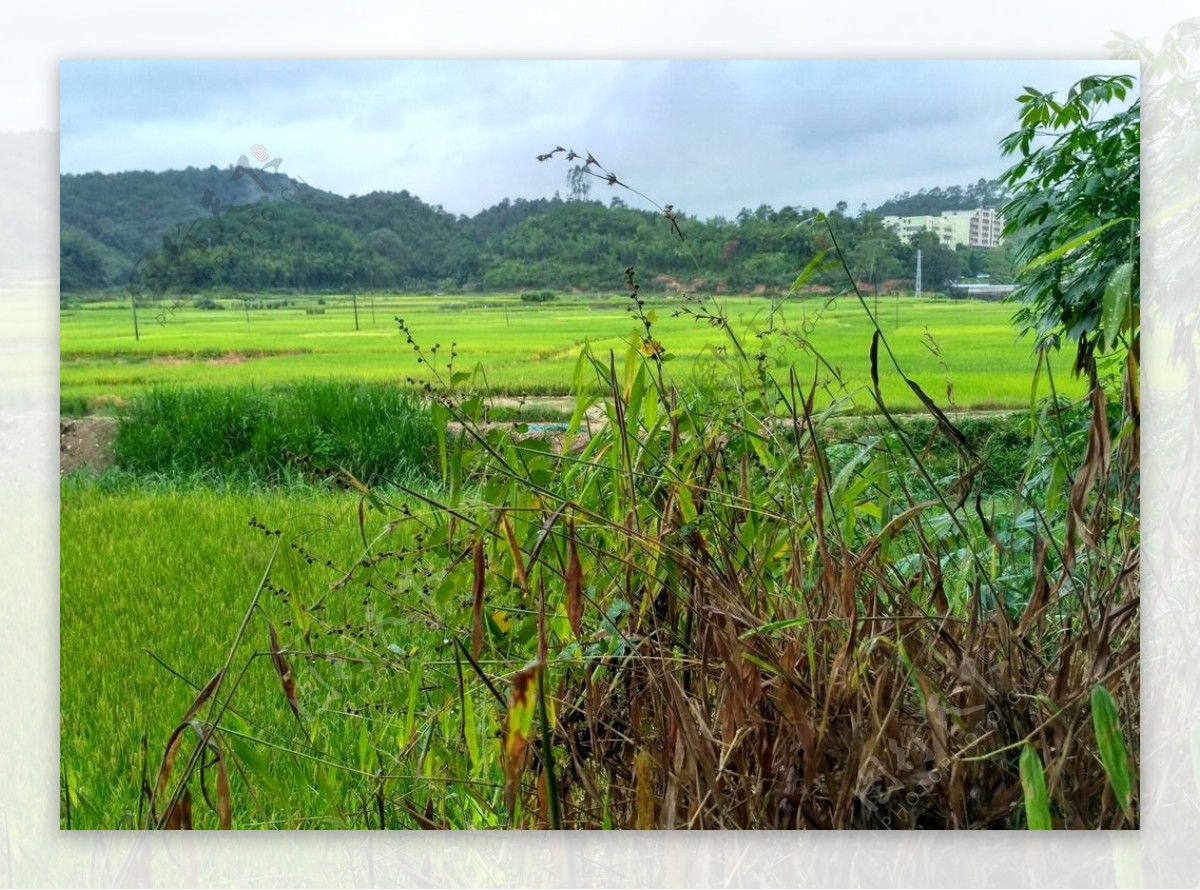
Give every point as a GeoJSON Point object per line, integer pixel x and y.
{"type": "Point", "coordinates": [709, 137]}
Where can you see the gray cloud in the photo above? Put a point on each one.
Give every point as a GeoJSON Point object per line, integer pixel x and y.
{"type": "Point", "coordinates": [710, 137]}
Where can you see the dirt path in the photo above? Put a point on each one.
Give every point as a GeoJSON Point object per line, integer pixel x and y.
{"type": "Point", "coordinates": [86, 442]}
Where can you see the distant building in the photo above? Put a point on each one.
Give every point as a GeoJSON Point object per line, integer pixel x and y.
{"type": "Point", "coordinates": [971, 228]}
{"type": "Point", "coordinates": [979, 290]}
{"type": "Point", "coordinates": [986, 226]}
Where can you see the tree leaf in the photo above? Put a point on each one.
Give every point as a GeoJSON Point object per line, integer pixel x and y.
{"type": "Point", "coordinates": [1118, 298]}
{"type": "Point", "coordinates": [1077, 241]}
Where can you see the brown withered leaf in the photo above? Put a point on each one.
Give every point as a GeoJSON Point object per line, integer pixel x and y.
{"type": "Point", "coordinates": [424, 820]}
{"type": "Point", "coordinates": [204, 695]}
{"type": "Point", "coordinates": [179, 812]}
{"type": "Point", "coordinates": [224, 799]}
{"type": "Point", "coordinates": [283, 669]}
{"type": "Point", "coordinates": [179, 818]}
{"type": "Point", "coordinates": [518, 724]}
{"type": "Point", "coordinates": [1041, 588]}
{"type": "Point", "coordinates": [518, 560]}
{"type": "Point", "coordinates": [643, 778]}
{"type": "Point", "coordinates": [935, 716]}
{"type": "Point", "coordinates": [168, 764]}
{"type": "Point", "coordinates": [1095, 466]}
{"type": "Point", "coordinates": [574, 580]}
{"type": "Point", "coordinates": [224, 805]}
{"type": "Point", "coordinates": [949, 430]}
{"type": "Point", "coordinates": [875, 364]}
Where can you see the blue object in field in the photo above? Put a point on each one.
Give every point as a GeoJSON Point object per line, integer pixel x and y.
{"type": "Point", "coordinates": [546, 427]}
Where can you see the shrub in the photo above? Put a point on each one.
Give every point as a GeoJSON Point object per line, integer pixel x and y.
{"type": "Point", "coordinates": [375, 431]}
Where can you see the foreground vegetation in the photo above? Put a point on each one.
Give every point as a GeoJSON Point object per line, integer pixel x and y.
{"type": "Point", "coordinates": [721, 607]}
{"type": "Point", "coordinates": [821, 598]}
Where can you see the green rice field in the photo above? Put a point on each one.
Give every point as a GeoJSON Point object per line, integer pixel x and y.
{"type": "Point", "coordinates": [155, 582]}
{"type": "Point", "coordinates": [525, 349]}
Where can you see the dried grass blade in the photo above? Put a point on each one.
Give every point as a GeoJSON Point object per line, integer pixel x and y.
{"type": "Point", "coordinates": [643, 779]}
{"type": "Point", "coordinates": [574, 583]}
{"type": "Point", "coordinates": [1041, 588]}
{"type": "Point", "coordinates": [204, 695]}
{"type": "Point", "coordinates": [224, 806]}
{"type": "Point", "coordinates": [284, 670]}
{"type": "Point", "coordinates": [515, 548]}
{"type": "Point", "coordinates": [518, 724]}
{"type": "Point", "coordinates": [935, 715]}
{"type": "Point", "coordinates": [953, 433]}
{"type": "Point", "coordinates": [180, 816]}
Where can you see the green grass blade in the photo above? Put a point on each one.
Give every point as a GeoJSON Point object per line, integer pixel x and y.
{"type": "Point", "coordinates": [1111, 742]}
{"type": "Point", "coordinates": [1033, 782]}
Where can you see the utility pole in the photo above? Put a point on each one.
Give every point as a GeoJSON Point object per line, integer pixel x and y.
{"type": "Point", "coordinates": [917, 294]}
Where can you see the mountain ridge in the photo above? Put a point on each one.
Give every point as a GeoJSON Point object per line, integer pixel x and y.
{"type": "Point", "coordinates": [248, 228]}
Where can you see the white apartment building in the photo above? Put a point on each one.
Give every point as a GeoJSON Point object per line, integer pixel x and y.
{"type": "Point", "coordinates": [986, 226]}
{"type": "Point", "coordinates": [974, 228]}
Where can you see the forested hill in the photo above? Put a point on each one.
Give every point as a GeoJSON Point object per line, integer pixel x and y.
{"type": "Point", "coordinates": [109, 220]}
{"type": "Point", "coordinates": [243, 229]}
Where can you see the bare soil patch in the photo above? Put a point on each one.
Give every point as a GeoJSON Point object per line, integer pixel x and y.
{"type": "Point", "coordinates": [229, 358]}
{"type": "Point", "coordinates": [86, 442]}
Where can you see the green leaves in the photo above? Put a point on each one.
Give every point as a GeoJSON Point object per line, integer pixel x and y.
{"type": "Point", "coordinates": [1076, 210]}
{"type": "Point", "coordinates": [1033, 783]}
{"type": "Point", "coordinates": [1064, 249]}
{"type": "Point", "coordinates": [1118, 303]}
{"type": "Point", "coordinates": [1111, 742]}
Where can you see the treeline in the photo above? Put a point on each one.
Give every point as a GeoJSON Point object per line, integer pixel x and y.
{"type": "Point", "coordinates": [243, 229]}
{"type": "Point", "coordinates": [984, 193]}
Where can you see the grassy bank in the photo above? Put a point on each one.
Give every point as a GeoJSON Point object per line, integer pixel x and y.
{"type": "Point", "coordinates": [304, 430]}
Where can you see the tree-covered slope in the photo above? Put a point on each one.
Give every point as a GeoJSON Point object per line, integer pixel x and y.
{"type": "Point", "coordinates": [236, 230]}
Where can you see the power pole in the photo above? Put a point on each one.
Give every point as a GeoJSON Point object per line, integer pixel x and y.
{"type": "Point", "coordinates": [917, 293]}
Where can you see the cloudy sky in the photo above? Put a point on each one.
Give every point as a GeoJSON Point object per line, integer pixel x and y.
{"type": "Point", "coordinates": [708, 137]}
